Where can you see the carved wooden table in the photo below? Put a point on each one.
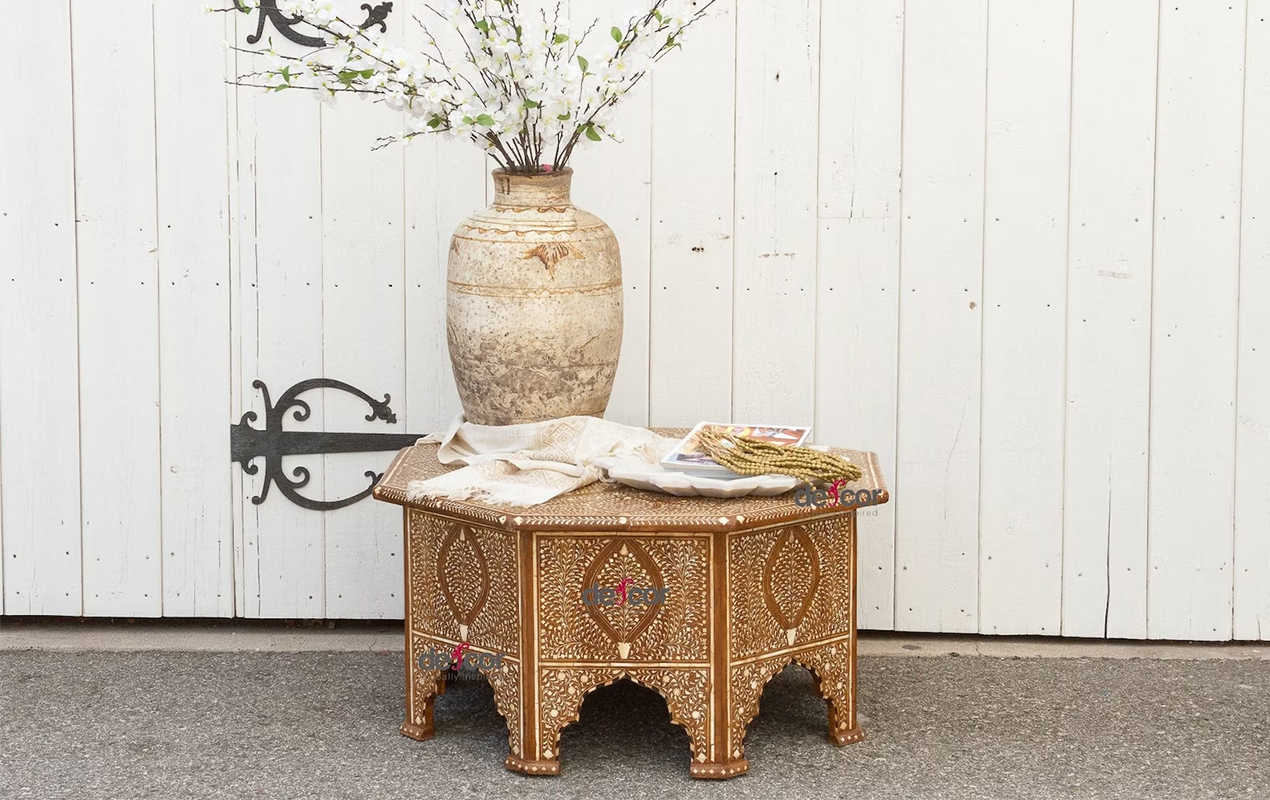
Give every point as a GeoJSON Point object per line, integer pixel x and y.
{"type": "Point", "coordinates": [745, 587]}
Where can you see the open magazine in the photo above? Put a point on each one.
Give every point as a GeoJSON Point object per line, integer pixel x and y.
{"type": "Point", "coordinates": [687, 458]}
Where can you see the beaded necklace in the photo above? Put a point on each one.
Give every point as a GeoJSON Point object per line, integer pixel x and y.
{"type": "Point", "coordinates": [753, 457]}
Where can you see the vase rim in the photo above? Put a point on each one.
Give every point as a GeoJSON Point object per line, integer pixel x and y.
{"type": "Point", "coordinates": [555, 173]}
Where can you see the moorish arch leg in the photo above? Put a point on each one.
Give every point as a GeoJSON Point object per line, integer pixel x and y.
{"type": "Point", "coordinates": [745, 685]}
{"type": "Point", "coordinates": [563, 689]}
{"type": "Point", "coordinates": [834, 670]}
{"type": "Point", "coordinates": [690, 701]}
{"type": "Point", "coordinates": [424, 682]}
{"type": "Point", "coordinates": [505, 681]}
{"type": "Point", "coordinates": [421, 692]}
{"type": "Point", "coordinates": [560, 692]}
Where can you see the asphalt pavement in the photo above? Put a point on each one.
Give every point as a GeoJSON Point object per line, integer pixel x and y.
{"type": "Point", "coordinates": [249, 724]}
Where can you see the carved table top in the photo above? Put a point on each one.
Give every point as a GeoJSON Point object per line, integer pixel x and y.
{"type": "Point", "coordinates": [614, 507]}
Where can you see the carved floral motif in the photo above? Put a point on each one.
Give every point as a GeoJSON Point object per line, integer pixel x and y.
{"type": "Point", "coordinates": [676, 630]}
{"type": "Point", "coordinates": [622, 559]}
{"type": "Point", "coordinates": [791, 574]}
{"type": "Point", "coordinates": [789, 585]}
{"type": "Point", "coordinates": [463, 582]}
{"type": "Point", "coordinates": [463, 573]}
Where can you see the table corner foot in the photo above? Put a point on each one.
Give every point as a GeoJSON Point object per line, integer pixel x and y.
{"type": "Point", "coordinates": [420, 733]}
{"type": "Point", "coordinates": [526, 767]}
{"type": "Point", "coordinates": [846, 737]}
{"type": "Point", "coordinates": [712, 771]}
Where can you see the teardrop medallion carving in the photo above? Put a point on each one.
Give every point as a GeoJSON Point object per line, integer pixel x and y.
{"type": "Point", "coordinates": [623, 559]}
{"type": "Point", "coordinates": [790, 577]}
{"type": "Point", "coordinates": [463, 574]}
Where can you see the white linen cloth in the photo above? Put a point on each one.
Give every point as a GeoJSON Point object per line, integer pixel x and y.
{"type": "Point", "coordinates": [528, 464]}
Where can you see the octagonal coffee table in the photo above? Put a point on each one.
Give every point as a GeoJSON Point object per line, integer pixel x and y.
{"type": "Point", "coordinates": [707, 600]}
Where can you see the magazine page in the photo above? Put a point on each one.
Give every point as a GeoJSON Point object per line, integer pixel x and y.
{"type": "Point", "coordinates": [688, 458]}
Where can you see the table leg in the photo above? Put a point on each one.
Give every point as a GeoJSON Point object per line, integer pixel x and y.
{"type": "Point", "coordinates": [421, 691]}
{"type": "Point", "coordinates": [834, 669]}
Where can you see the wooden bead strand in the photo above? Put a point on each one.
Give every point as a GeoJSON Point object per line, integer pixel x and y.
{"type": "Point", "coordinates": [747, 456]}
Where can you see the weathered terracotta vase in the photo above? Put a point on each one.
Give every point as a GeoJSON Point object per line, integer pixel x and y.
{"type": "Point", "coordinates": [534, 305]}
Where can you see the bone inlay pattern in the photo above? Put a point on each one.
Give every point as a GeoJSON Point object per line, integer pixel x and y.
{"type": "Point", "coordinates": [676, 630]}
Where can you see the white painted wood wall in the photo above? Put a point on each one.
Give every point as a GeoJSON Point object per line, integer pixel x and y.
{"type": "Point", "coordinates": [1021, 248]}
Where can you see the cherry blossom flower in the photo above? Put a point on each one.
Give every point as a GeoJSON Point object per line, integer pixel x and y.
{"type": "Point", "coordinates": [525, 88]}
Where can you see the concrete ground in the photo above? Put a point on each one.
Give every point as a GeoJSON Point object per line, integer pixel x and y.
{"type": "Point", "coordinates": [258, 712]}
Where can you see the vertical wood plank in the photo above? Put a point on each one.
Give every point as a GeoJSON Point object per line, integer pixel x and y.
{"type": "Point", "coordinates": [1109, 318]}
{"type": "Point", "coordinates": [194, 359]}
{"type": "Point", "coordinates": [1252, 465]}
{"type": "Point", "coordinates": [445, 181]}
{"type": "Point", "coordinates": [39, 378]}
{"type": "Point", "coordinates": [1194, 311]}
{"type": "Point", "coordinates": [774, 312]}
{"type": "Point", "coordinates": [118, 306]}
{"type": "Point", "coordinates": [937, 451]}
{"type": "Point", "coordinates": [690, 306]}
{"type": "Point", "coordinates": [364, 344]}
{"type": "Point", "coordinates": [612, 180]}
{"type": "Point", "coordinates": [1, 516]}
{"type": "Point", "coordinates": [233, 147]}
{"type": "Point", "coordinates": [858, 262]}
{"type": "Point", "coordinates": [1024, 317]}
{"type": "Point", "coordinates": [1, 513]}
{"type": "Point", "coordinates": [280, 290]}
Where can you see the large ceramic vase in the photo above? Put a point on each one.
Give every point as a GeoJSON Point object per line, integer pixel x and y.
{"type": "Point", "coordinates": [533, 305]}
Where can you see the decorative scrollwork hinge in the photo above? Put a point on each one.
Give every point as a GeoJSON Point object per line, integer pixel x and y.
{"type": "Point", "coordinates": [273, 443]}
{"type": "Point", "coordinates": [284, 22]}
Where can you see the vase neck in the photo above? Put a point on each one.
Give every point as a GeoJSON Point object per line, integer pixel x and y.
{"type": "Point", "coordinates": [532, 191]}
